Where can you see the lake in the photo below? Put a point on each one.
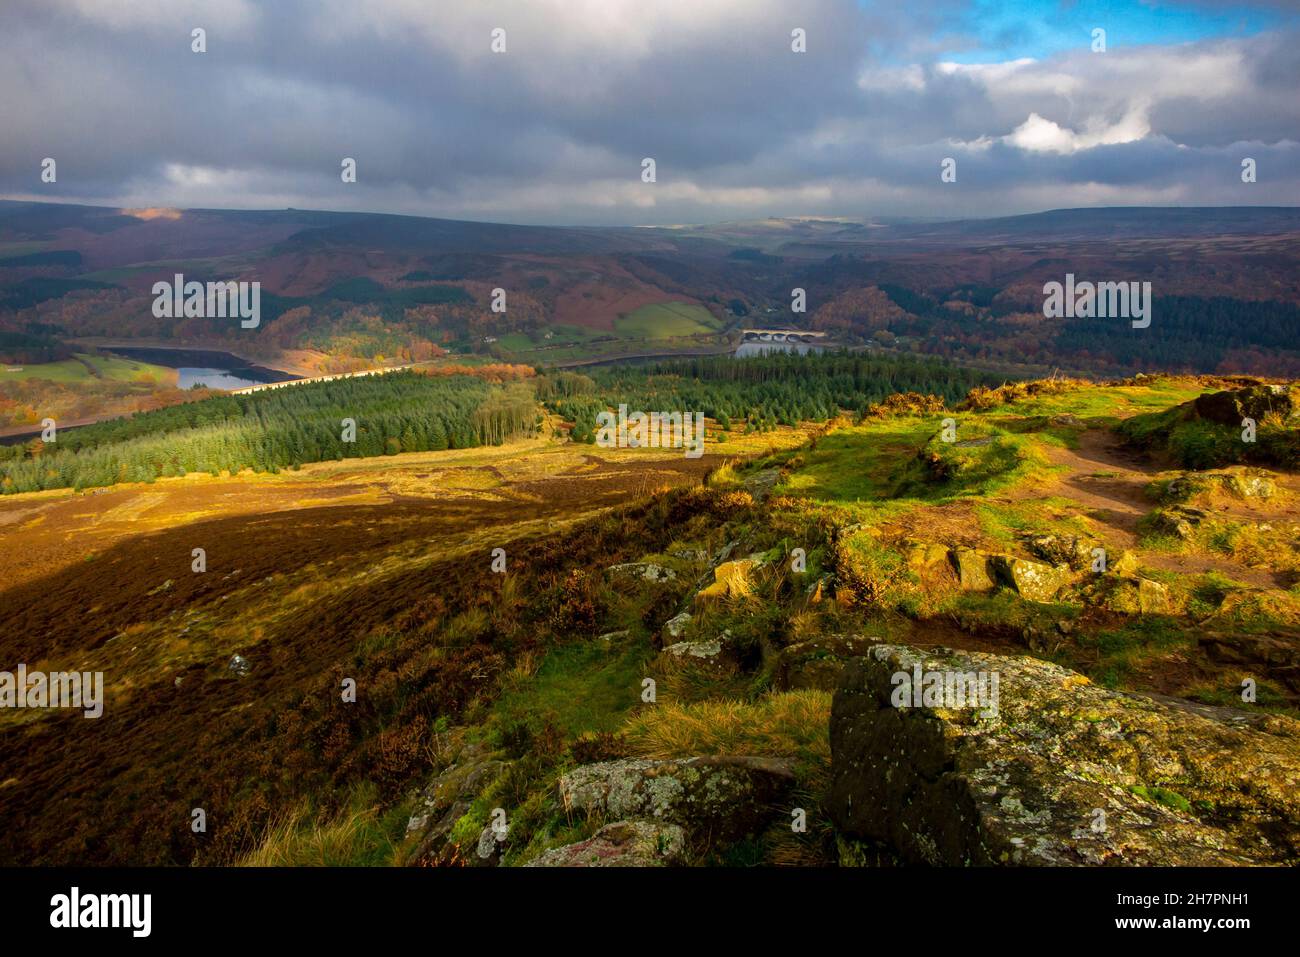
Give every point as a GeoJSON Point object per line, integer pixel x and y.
{"type": "Point", "coordinates": [205, 367]}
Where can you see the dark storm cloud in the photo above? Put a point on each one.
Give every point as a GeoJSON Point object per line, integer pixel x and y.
{"type": "Point", "coordinates": [554, 130]}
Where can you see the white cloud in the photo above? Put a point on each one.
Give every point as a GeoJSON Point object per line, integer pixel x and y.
{"type": "Point", "coordinates": [1039, 135]}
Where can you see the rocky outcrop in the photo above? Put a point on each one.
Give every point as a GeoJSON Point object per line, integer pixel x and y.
{"type": "Point", "coordinates": [761, 483]}
{"type": "Point", "coordinates": [444, 801]}
{"type": "Point", "coordinates": [1253, 402]}
{"type": "Point", "coordinates": [1062, 550]}
{"type": "Point", "coordinates": [676, 626]}
{"type": "Point", "coordinates": [623, 844]}
{"type": "Point", "coordinates": [1126, 564]}
{"type": "Point", "coordinates": [1272, 657]}
{"type": "Point", "coordinates": [1058, 772]}
{"type": "Point", "coordinates": [1179, 521]}
{"type": "Point", "coordinates": [704, 650]}
{"type": "Point", "coordinates": [713, 652]}
{"type": "Point", "coordinates": [817, 662]}
{"type": "Point", "coordinates": [972, 569]}
{"type": "Point", "coordinates": [730, 580]}
{"type": "Point", "coordinates": [1128, 594]}
{"type": "Point", "coordinates": [645, 571]}
{"type": "Point", "coordinates": [722, 796]}
{"type": "Point", "coordinates": [1241, 483]}
{"type": "Point", "coordinates": [919, 554]}
{"type": "Point", "coordinates": [1030, 580]}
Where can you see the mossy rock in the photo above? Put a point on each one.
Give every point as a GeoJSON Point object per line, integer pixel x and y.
{"type": "Point", "coordinates": [722, 796]}
{"type": "Point", "coordinates": [972, 569]}
{"type": "Point", "coordinates": [622, 844]}
{"type": "Point", "coordinates": [1024, 782]}
{"type": "Point", "coordinates": [1033, 581]}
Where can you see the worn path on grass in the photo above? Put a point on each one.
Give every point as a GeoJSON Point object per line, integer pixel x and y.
{"type": "Point", "coordinates": [1109, 481]}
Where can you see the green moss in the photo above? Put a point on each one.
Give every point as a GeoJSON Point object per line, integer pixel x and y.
{"type": "Point", "coordinates": [1164, 796]}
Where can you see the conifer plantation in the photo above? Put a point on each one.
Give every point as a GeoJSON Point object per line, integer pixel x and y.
{"type": "Point", "coordinates": [275, 429]}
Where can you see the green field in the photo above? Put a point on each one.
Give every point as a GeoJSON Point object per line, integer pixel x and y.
{"type": "Point", "coordinates": [665, 320]}
{"type": "Point", "coordinates": [111, 368]}
{"type": "Point", "coordinates": [561, 336]}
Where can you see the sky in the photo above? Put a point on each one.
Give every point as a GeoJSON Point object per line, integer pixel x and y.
{"type": "Point", "coordinates": [555, 129]}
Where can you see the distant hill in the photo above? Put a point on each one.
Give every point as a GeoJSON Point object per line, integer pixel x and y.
{"type": "Point", "coordinates": [359, 288]}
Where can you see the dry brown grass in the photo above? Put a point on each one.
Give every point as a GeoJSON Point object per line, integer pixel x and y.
{"type": "Point", "coordinates": [794, 724]}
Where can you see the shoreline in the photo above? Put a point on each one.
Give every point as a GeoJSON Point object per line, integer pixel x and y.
{"type": "Point", "coordinates": [282, 365]}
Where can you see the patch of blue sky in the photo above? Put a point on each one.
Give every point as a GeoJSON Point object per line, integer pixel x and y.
{"type": "Point", "coordinates": [992, 31]}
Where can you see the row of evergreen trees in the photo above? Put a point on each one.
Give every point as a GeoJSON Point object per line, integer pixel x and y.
{"type": "Point", "coordinates": [756, 393]}
{"type": "Point", "coordinates": [410, 412]}
{"type": "Point", "coordinates": [275, 429]}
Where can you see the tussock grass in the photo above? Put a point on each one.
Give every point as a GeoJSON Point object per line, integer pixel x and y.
{"type": "Point", "coordinates": [793, 724]}
{"type": "Point", "coordinates": [357, 836]}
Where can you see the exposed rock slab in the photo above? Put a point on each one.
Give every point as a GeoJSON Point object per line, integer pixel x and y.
{"type": "Point", "coordinates": [623, 844]}
{"type": "Point", "coordinates": [1062, 773]}
{"type": "Point", "coordinates": [1128, 594]}
{"type": "Point", "coordinates": [645, 571]}
{"type": "Point", "coordinates": [1254, 402]}
{"type": "Point", "coordinates": [723, 796]}
{"type": "Point", "coordinates": [730, 580]}
{"type": "Point", "coordinates": [817, 663]}
{"type": "Point", "coordinates": [972, 569]}
{"type": "Point", "coordinates": [1030, 580]}
{"type": "Point", "coordinates": [447, 798]}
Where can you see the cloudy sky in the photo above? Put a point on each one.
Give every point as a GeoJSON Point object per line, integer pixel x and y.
{"type": "Point", "coordinates": [554, 129]}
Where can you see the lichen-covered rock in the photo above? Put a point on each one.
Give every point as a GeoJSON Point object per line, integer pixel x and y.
{"type": "Point", "coordinates": [645, 571]}
{"type": "Point", "coordinates": [817, 663]}
{"type": "Point", "coordinates": [1152, 596]}
{"type": "Point", "coordinates": [706, 651]}
{"type": "Point", "coordinates": [1242, 483]}
{"type": "Point", "coordinates": [1179, 522]}
{"type": "Point", "coordinates": [445, 800]}
{"type": "Point", "coordinates": [1242, 605]}
{"type": "Point", "coordinates": [1062, 550]}
{"type": "Point", "coordinates": [1253, 402]}
{"type": "Point", "coordinates": [1250, 483]}
{"type": "Point", "coordinates": [1126, 564]}
{"type": "Point", "coordinates": [972, 569]}
{"type": "Point", "coordinates": [1031, 580]}
{"type": "Point", "coordinates": [919, 554]}
{"type": "Point", "coordinates": [690, 554]}
{"type": "Point", "coordinates": [722, 796]}
{"type": "Point", "coordinates": [1128, 594]}
{"type": "Point", "coordinates": [1060, 772]}
{"type": "Point", "coordinates": [676, 626]}
{"type": "Point", "coordinates": [623, 844]}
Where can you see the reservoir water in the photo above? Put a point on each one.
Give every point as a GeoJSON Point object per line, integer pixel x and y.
{"type": "Point", "coordinates": [216, 370]}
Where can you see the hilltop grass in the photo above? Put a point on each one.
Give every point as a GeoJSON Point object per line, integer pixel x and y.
{"type": "Point", "coordinates": [905, 458]}
{"type": "Point", "coordinates": [1097, 405]}
{"type": "Point", "coordinates": [857, 464]}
